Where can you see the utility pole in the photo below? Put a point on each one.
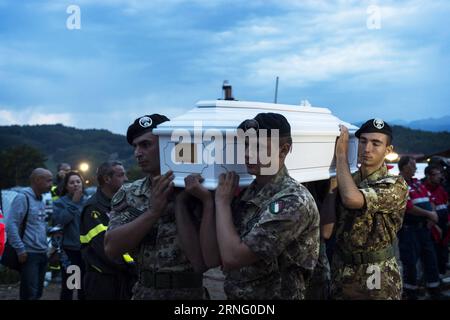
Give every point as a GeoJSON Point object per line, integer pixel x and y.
{"type": "Point", "coordinates": [276, 90]}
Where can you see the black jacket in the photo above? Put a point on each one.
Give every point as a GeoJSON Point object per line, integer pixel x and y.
{"type": "Point", "coordinates": [94, 222]}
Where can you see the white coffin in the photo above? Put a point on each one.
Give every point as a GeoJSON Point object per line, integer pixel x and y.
{"type": "Point", "coordinates": [314, 132]}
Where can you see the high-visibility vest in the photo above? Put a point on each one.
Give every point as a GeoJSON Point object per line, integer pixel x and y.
{"type": "Point", "coordinates": [53, 193]}
{"type": "Point", "coordinates": [86, 239]}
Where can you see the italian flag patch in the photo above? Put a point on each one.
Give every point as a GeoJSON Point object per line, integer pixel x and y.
{"type": "Point", "coordinates": [276, 207]}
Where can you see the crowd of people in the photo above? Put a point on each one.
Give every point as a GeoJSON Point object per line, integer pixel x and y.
{"type": "Point", "coordinates": [424, 234]}
{"type": "Point", "coordinates": [362, 235]}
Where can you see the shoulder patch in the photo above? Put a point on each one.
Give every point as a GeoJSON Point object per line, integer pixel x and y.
{"type": "Point", "coordinates": [118, 198]}
{"type": "Point", "coordinates": [95, 214]}
{"type": "Point", "coordinates": [276, 206]}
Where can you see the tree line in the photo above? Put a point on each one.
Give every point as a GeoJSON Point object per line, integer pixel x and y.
{"type": "Point", "coordinates": [23, 148]}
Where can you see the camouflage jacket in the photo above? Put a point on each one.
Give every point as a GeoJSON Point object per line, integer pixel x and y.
{"type": "Point", "coordinates": [160, 250]}
{"type": "Point", "coordinates": [369, 229]}
{"type": "Point", "coordinates": [280, 224]}
{"type": "Point", "coordinates": [375, 226]}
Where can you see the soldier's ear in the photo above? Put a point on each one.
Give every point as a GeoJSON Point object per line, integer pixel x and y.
{"type": "Point", "coordinates": [389, 149]}
{"type": "Point", "coordinates": [284, 150]}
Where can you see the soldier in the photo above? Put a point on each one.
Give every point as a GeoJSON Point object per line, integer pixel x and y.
{"type": "Point", "coordinates": [370, 209]}
{"type": "Point", "coordinates": [143, 220]}
{"type": "Point", "coordinates": [104, 279]}
{"type": "Point", "coordinates": [266, 239]}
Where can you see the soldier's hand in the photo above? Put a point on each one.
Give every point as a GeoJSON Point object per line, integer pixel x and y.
{"type": "Point", "coordinates": [228, 184]}
{"type": "Point", "coordinates": [333, 184]}
{"type": "Point", "coordinates": [342, 142]}
{"type": "Point", "coordinates": [194, 187]}
{"type": "Point", "coordinates": [22, 258]}
{"type": "Point", "coordinates": [162, 187]}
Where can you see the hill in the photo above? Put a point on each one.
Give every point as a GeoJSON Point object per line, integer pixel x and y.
{"type": "Point", "coordinates": [66, 144]}
{"type": "Point", "coordinates": [407, 140]}
{"type": "Point", "coordinates": [430, 124]}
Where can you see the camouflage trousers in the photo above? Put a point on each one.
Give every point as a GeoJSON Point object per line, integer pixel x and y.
{"type": "Point", "coordinates": [143, 293]}
{"type": "Point", "coordinates": [375, 281]}
{"type": "Point", "coordinates": [318, 287]}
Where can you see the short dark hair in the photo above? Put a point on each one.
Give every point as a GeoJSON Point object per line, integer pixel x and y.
{"type": "Point", "coordinates": [432, 167]}
{"type": "Point", "coordinates": [106, 169]}
{"type": "Point", "coordinates": [388, 140]}
{"type": "Point", "coordinates": [61, 165]}
{"type": "Point", "coordinates": [66, 181]}
{"type": "Point", "coordinates": [404, 162]}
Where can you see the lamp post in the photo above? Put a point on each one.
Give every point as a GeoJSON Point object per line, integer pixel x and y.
{"type": "Point", "coordinates": [84, 167]}
{"type": "Point", "coordinates": [392, 157]}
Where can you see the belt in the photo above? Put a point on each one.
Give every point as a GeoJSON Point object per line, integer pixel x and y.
{"type": "Point", "coordinates": [357, 258]}
{"type": "Point", "coordinates": [171, 280]}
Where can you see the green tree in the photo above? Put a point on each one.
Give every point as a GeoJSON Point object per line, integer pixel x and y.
{"type": "Point", "coordinates": [16, 164]}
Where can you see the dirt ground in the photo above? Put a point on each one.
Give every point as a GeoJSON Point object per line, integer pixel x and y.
{"type": "Point", "coordinates": [213, 281]}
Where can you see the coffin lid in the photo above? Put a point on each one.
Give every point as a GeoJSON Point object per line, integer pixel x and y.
{"type": "Point", "coordinates": [228, 114]}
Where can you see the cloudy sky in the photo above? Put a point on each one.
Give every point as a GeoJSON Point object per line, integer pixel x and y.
{"type": "Point", "coordinates": [361, 59]}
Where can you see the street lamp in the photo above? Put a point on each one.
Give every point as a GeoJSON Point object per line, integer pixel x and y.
{"type": "Point", "coordinates": [84, 167]}
{"type": "Point", "coordinates": [391, 157]}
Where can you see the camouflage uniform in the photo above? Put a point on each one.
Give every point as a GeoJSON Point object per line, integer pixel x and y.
{"type": "Point", "coordinates": [159, 252]}
{"type": "Point", "coordinates": [280, 224]}
{"type": "Point", "coordinates": [366, 235]}
{"type": "Point", "coordinates": [318, 287]}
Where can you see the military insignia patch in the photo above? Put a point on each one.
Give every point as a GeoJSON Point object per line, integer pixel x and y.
{"type": "Point", "coordinates": [119, 202]}
{"type": "Point", "coordinates": [118, 197]}
{"type": "Point", "coordinates": [145, 122]}
{"type": "Point", "coordinates": [95, 214]}
{"type": "Point", "coordinates": [378, 123]}
{"type": "Point", "coordinates": [276, 206]}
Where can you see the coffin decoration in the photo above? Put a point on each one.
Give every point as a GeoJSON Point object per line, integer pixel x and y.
{"type": "Point", "coordinates": [196, 142]}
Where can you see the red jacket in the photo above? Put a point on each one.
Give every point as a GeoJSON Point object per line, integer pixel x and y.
{"type": "Point", "coordinates": [418, 196]}
{"type": "Point", "coordinates": [2, 234]}
{"type": "Point", "coordinates": [440, 199]}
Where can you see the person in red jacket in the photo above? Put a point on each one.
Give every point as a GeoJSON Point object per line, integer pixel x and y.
{"type": "Point", "coordinates": [440, 231]}
{"type": "Point", "coordinates": [2, 227]}
{"type": "Point", "coordinates": [415, 241]}
{"type": "Point", "coordinates": [2, 232]}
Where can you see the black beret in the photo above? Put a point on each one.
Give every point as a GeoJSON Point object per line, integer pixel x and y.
{"type": "Point", "coordinates": [375, 125]}
{"type": "Point", "coordinates": [268, 121]}
{"type": "Point", "coordinates": [143, 125]}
